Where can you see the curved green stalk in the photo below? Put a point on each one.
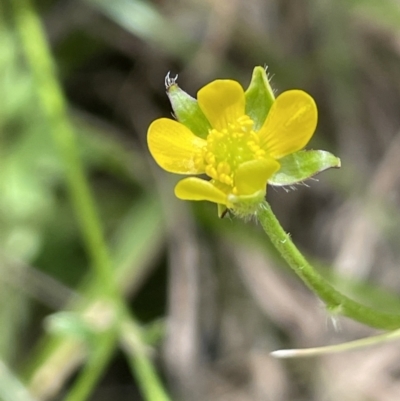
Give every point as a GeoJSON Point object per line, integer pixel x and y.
{"type": "Point", "coordinates": [336, 302]}
{"type": "Point", "coordinates": [55, 109]}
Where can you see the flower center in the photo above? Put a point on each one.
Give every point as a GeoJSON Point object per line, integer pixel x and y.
{"type": "Point", "coordinates": [227, 149]}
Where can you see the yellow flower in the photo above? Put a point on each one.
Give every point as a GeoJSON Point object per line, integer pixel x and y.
{"type": "Point", "coordinates": [238, 159]}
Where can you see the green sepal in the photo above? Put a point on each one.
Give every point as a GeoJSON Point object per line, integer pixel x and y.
{"type": "Point", "coordinates": [299, 166]}
{"type": "Point", "coordinates": [222, 209]}
{"type": "Point", "coordinates": [246, 205]}
{"type": "Point", "coordinates": [259, 97]}
{"type": "Point", "coordinates": [187, 111]}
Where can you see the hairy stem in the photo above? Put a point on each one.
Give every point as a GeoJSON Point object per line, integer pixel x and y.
{"type": "Point", "coordinates": [335, 301]}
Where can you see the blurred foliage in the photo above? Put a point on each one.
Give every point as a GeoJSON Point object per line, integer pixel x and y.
{"type": "Point", "coordinates": [213, 297]}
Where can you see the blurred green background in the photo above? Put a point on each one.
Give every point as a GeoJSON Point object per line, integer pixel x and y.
{"type": "Point", "coordinates": [211, 295]}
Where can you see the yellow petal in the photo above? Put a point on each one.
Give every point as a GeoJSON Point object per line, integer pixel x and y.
{"type": "Point", "coordinates": [252, 176]}
{"type": "Point", "coordinates": [193, 188]}
{"type": "Point", "coordinates": [290, 123]}
{"type": "Point", "coordinates": [174, 146]}
{"type": "Point", "coordinates": [222, 102]}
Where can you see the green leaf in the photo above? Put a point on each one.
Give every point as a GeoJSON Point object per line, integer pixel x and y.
{"type": "Point", "coordinates": [187, 110]}
{"type": "Point", "coordinates": [140, 17]}
{"type": "Point", "coordinates": [302, 165]}
{"type": "Point", "coordinates": [259, 97]}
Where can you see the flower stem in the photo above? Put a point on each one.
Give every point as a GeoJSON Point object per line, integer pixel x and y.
{"type": "Point", "coordinates": [335, 301]}
{"type": "Point", "coordinates": [94, 368]}
{"type": "Point", "coordinates": [139, 362]}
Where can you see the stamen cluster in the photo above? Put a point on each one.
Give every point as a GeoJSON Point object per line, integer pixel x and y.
{"type": "Point", "coordinates": [226, 149]}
